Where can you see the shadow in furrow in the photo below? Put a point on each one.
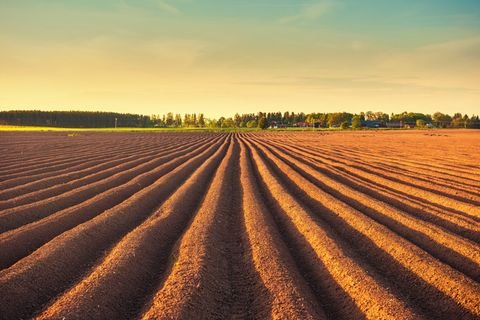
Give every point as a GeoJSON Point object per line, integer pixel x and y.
{"type": "Point", "coordinates": [335, 302]}
{"type": "Point", "coordinates": [436, 249]}
{"type": "Point", "coordinates": [406, 171]}
{"type": "Point", "coordinates": [119, 286]}
{"type": "Point", "coordinates": [142, 174]}
{"type": "Point", "coordinates": [346, 171]}
{"type": "Point", "coordinates": [246, 298]}
{"type": "Point", "coordinates": [210, 272]}
{"type": "Point", "coordinates": [411, 196]}
{"type": "Point", "coordinates": [61, 262]}
{"type": "Point", "coordinates": [354, 183]}
{"type": "Point", "coordinates": [25, 193]}
{"type": "Point", "coordinates": [418, 293]}
{"type": "Point", "coordinates": [413, 185]}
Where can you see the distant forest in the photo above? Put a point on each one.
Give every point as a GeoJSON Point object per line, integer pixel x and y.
{"type": "Point", "coordinates": [73, 119]}
{"type": "Point", "coordinates": [264, 120]}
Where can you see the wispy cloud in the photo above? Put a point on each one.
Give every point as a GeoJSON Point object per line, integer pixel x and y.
{"type": "Point", "coordinates": [166, 7]}
{"type": "Point", "coordinates": [459, 56]}
{"type": "Point", "coordinates": [161, 5]}
{"type": "Point", "coordinates": [347, 83]}
{"type": "Point", "coordinates": [310, 11]}
{"type": "Point", "coordinates": [470, 46]}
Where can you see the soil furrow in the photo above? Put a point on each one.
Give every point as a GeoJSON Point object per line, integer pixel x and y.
{"type": "Point", "coordinates": [121, 145]}
{"type": "Point", "coordinates": [20, 242]}
{"type": "Point", "coordinates": [116, 287]}
{"type": "Point", "coordinates": [15, 217]}
{"type": "Point", "coordinates": [347, 224]}
{"type": "Point", "coordinates": [211, 273]}
{"type": "Point", "coordinates": [393, 164]}
{"type": "Point", "coordinates": [288, 293]}
{"type": "Point", "coordinates": [348, 288]}
{"type": "Point", "coordinates": [84, 163]}
{"type": "Point", "coordinates": [40, 189]}
{"type": "Point", "coordinates": [405, 260]}
{"type": "Point", "coordinates": [400, 178]}
{"type": "Point", "coordinates": [449, 204]}
{"type": "Point", "coordinates": [58, 264]}
{"type": "Point", "coordinates": [457, 252]}
{"type": "Point", "coordinates": [466, 228]}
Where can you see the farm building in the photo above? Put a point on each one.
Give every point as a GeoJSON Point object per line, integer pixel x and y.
{"type": "Point", "coordinates": [373, 124]}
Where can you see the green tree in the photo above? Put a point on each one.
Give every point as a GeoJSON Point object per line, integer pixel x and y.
{"type": "Point", "coordinates": [169, 121]}
{"type": "Point", "coordinates": [186, 120]}
{"type": "Point", "coordinates": [466, 121]}
{"type": "Point", "coordinates": [237, 119]}
{"type": "Point", "coordinates": [457, 120]}
{"type": "Point", "coordinates": [335, 119]}
{"type": "Point", "coordinates": [228, 123]}
{"type": "Point", "coordinates": [310, 120]}
{"type": "Point", "coordinates": [178, 120]}
{"type": "Point", "coordinates": [441, 120]}
{"type": "Point", "coordinates": [262, 123]}
{"type": "Point", "coordinates": [420, 123]}
{"type": "Point", "coordinates": [201, 120]}
{"type": "Point", "coordinates": [220, 122]}
{"type": "Point", "coordinates": [211, 123]}
{"type": "Point", "coordinates": [344, 125]}
{"type": "Point", "coordinates": [356, 122]}
{"type": "Point", "coordinates": [252, 124]}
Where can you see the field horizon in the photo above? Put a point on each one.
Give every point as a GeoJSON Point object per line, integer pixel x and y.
{"type": "Point", "coordinates": [7, 128]}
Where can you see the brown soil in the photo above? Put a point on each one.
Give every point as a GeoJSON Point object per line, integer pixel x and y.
{"type": "Point", "coordinates": [284, 225]}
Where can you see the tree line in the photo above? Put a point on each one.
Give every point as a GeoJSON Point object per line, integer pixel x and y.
{"type": "Point", "coordinates": [73, 119]}
{"type": "Point", "coordinates": [263, 120]}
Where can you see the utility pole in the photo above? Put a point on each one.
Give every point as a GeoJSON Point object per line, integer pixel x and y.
{"type": "Point", "coordinates": [116, 123]}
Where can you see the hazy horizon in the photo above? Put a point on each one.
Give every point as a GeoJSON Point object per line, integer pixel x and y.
{"type": "Point", "coordinates": [223, 57]}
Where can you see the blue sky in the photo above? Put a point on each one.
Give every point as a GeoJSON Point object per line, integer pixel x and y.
{"type": "Point", "coordinates": [222, 57]}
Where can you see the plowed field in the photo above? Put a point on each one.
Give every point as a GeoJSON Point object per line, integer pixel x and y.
{"type": "Point", "coordinates": [307, 225]}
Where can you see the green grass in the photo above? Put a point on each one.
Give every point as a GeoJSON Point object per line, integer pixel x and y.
{"type": "Point", "coordinates": [38, 128]}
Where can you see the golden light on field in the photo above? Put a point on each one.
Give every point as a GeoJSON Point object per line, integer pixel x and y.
{"type": "Point", "coordinates": [372, 224]}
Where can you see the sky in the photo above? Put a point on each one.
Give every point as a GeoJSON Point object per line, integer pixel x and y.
{"type": "Point", "coordinates": [220, 57]}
